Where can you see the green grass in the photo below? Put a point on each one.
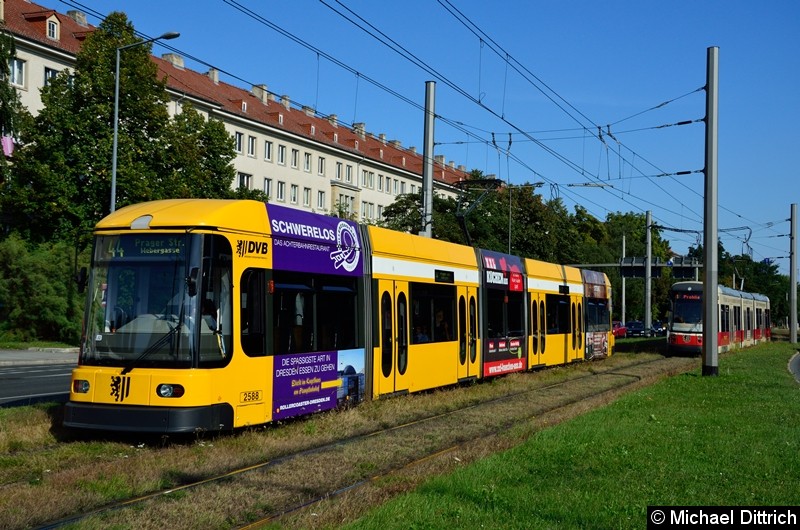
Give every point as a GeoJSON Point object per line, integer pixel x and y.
{"type": "Point", "coordinates": [726, 440]}
{"type": "Point", "coordinates": [17, 345]}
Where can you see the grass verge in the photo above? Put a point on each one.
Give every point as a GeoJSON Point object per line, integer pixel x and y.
{"type": "Point", "coordinates": [726, 440]}
{"type": "Point", "coordinates": [17, 345]}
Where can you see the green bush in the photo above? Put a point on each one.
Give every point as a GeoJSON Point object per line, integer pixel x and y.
{"type": "Point", "coordinates": [38, 297]}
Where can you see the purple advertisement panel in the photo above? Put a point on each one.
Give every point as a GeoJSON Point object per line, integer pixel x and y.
{"type": "Point", "coordinates": [308, 242]}
{"type": "Point", "coordinates": [312, 382]}
{"type": "Point", "coordinates": [304, 383]}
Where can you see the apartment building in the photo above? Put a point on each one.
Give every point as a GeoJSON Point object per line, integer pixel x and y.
{"type": "Point", "coordinates": [297, 156]}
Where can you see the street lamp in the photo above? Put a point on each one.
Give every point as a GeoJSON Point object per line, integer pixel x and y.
{"type": "Point", "coordinates": [165, 36]}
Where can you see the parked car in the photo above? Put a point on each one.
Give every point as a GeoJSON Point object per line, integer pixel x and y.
{"type": "Point", "coordinates": [618, 329]}
{"type": "Point", "coordinates": [635, 328]}
{"type": "Point", "coordinates": [658, 329]}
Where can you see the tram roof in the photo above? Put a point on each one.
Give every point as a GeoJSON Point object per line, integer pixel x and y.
{"type": "Point", "coordinates": [244, 215]}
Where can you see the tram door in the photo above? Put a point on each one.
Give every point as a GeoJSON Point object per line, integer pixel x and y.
{"type": "Point", "coordinates": [392, 363]}
{"type": "Point", "coordinates": [537, 330]}
{"type": "Point", "coordinates": [468, 340]}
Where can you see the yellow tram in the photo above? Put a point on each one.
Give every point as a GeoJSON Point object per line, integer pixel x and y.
{"type": "Point", "coordinates": [219, 314]}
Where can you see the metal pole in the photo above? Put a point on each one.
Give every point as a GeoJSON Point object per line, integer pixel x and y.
{"type": "Point", "coordinates": [115, 141]}
{"type": "Point", "coordinates": [648, 277]}
{"type": "Point", "coordinates": [116, 136]}
{"type": "Point", "coordinates": [427, 155]}
{"type": "Point", "coordinates": [711, 235]}
{"type": "Point", "coordinates": [623, 285]}
{"type": "Point", "coordinates": [793, 276]}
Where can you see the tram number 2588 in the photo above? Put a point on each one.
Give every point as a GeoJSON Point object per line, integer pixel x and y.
{"type": "Point", "coordinates": [249, 396]}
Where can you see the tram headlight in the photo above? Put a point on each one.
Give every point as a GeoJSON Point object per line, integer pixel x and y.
{"type": "Point", "coordinates": [80, 386]}
{"type": "Point", "coordinates": [166, 390]}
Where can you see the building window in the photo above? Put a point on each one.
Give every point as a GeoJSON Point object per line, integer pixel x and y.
{"type": "Point", "coordinates": [239, 139]}
{"type": "Point", "coordinates": [367, 179]}
{"type": "Point", "coordinates": [321, 166]}
{"type": "Point", "coordinates": [413, 189]}
{"type": "Point", "coordinates": [338, 171]}
{"type": "Point", "coordinates": [380, 211]}
{"type": "Point", "coordinates": [348, 174]}
{"type": "Point", "coordinates": [367, 210]}
{"type": "Point", "coordinates": [52, 29]}
{"type": "Point", "coordinates": [307, 197]}
{"type": "Point", "coordinates": [268, 188]}
{"type": "Point", "coordinates": [268, 150]}
{"type": "Point", "coordinates": [402, 187]}
{"type": "Point", "coordinates": [251, 146]}
{"type": "Point", "coordinates": [49, 75]}
{"type": "Point", "coordinates": [282, 155]}
{"type": "Point", "coordinates": [281, 195]}
{"type": "Point", "coordinates": [244, 181]}
{"type": "Point", "coordinates": [346, 204]}
{"type": "Point", "coordinates": [321, 200]}
{"type": "Point", "coordinates": [293, 194]}
{"type": "Point", "coordinates": [17, 74]}
{"type": "Point", "coordinates": [380, 182]}
{"type": "Point", "coordinates": [295, 158]}
{"type": "Point", "coordinates": [307, 162]}
{"type": "Point", "coordinates": [396, 186]}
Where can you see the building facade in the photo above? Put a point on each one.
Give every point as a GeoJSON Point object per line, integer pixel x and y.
{"type": "Point", "coordinates": [296, 156]}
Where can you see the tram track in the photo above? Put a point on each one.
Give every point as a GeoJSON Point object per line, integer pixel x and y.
{"type": "Point", "coordinates": [290, 487]}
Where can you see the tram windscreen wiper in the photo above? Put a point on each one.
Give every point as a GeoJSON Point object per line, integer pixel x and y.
{"type": "Point", "coordinates": [167, 337]}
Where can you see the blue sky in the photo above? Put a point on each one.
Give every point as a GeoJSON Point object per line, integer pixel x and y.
{"type": "Point", "coordinates": [522, 87]}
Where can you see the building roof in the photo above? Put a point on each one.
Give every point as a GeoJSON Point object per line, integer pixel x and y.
{"type": "Point", "coordinates": [26, 19]}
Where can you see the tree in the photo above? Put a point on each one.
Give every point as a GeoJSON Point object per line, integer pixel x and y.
{"type": "Point", "coordinates": [62, 178]}
{"type": "Point", "coordinates": [14, 119]}
{"type": "Point", "coordinates": [198, 156]}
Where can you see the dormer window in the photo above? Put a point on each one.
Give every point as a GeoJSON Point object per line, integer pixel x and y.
{"type": "Point", "coordinates": [336, 137]}
{"type": "Point", "coordinates": [280, 119]}
{"type": "Point", "coordinates": [52, 29]}
{"type": "Point", "coordinates": [313, 130]}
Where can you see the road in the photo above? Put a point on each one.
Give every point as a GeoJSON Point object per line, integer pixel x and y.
{"type": "Point", "coordinates": [32, 376]}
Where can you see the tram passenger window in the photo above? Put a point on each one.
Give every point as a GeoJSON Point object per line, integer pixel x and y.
{"type": "Point", "coordinates": [725, 318]}
{"type": "Point", "coordinates": [557, 318]}
{"type": "Point", "coordinates": [313, 313]}
{"type": "Point", "coordinates": [253, 306]}
{"type": "Point", "coordinates": [337, 315]}
{"type": "Point", "coordinates": [216, 345]}
{"type": "Point", "coordinates": [433, 312]}
{"type": "Point", "coordinates": [516, 314]}
{"type": "Point", "coordinates": [495, 313]}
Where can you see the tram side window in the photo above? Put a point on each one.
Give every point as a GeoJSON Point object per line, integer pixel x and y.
{"type": "Point", "coordinates": [516, 314]}
{"type": "Point", "coordinates": [253, 306]}
{"type": "Point", "coordinates": [216, 299]}
{"type": "Point", "coordinates": [725, 318]}
{"type": "Point", "coordinates": [505, 313]}
{"type": "Point", "coordinates": [433, 313]}
{"type": "Point", "coordinates": [313, 313]}
{"type": "Point", "coordinates": [597, 317]}
{"type": "Point", "coordinates": [558, 309]}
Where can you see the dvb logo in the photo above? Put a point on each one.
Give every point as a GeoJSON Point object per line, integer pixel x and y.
{"type": "Point", "coordinates": [244, 248]}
